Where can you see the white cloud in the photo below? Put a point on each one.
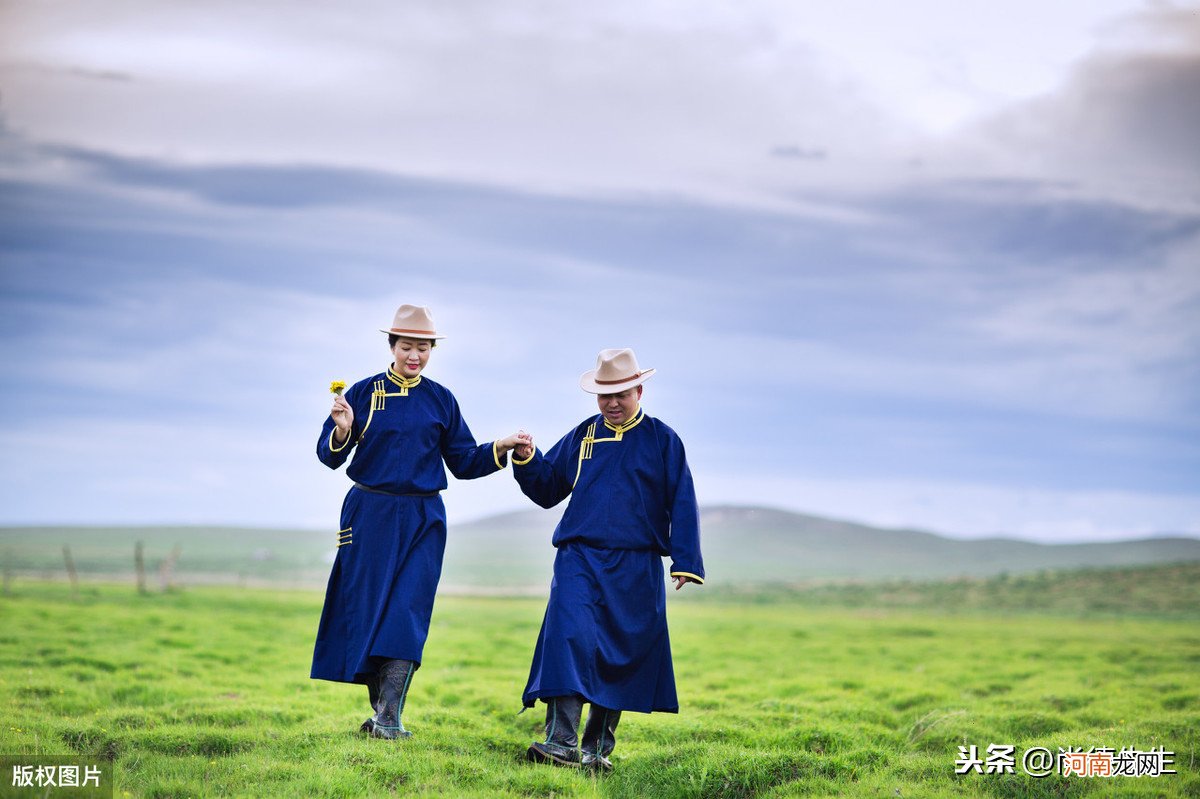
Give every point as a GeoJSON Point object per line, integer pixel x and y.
{"type": "Point", "coordinates": [626, 96]}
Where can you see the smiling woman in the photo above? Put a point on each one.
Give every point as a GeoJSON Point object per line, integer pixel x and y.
{"type": "Point", "coordinates": [391, 538]}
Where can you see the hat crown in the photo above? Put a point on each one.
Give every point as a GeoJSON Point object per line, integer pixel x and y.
{"type": "Point", "coordinates": [616, 370]}
{"type": "Point", "coordinates": [413, 320]}
{"type": "Point", "coordinates": [616, 366]}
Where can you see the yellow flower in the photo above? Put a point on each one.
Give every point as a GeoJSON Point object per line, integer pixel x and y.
{"type": "Point", "coordinates": [337, 387]}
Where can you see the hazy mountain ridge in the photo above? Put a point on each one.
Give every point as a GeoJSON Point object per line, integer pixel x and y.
{"type": "Point", "coordinates": [758, 544]}
{"type": "Point", "coordinates": [741, 545]}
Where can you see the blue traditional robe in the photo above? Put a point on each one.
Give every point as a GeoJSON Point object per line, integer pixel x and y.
{"type": "Point", "coordinates": [392, 534]}
{"type": "Point", "coordinates": [604, 635]}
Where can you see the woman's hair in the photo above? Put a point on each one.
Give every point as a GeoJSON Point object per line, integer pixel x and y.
{"type": "Point", "coordinates": [393, 338]}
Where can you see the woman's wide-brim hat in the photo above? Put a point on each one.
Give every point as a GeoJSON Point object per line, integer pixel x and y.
{"type": "Point", "coordinates": [412, 321]}
{"type": "Point", "coordinates": [616, 370]}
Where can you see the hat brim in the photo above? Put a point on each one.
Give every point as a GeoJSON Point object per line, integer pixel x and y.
{"type": "Point", "coordinates": [587, 381]}
{"type": "Point", "coordinates": [409, 334]}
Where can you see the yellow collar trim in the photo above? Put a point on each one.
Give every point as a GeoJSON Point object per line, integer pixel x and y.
{"type": "Point", "coordinates": [638, 416]}
{"type": "Point", "coordinates": [401, 380]}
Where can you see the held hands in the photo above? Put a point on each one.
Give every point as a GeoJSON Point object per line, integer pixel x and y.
{"type": "Point", "coordinates": [524, 449]}
{"type": "Point", "coordinates": [520, 441]}
{"type": "Point", "coordinates": [343, 417]}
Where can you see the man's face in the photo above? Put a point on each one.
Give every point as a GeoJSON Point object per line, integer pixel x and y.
{"type": "Point", "coordinates": [619, 408]}
{"type": "Point", "coordinates": [411, 355]}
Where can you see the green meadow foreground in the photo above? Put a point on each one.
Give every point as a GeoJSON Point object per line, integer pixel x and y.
{"type": "Point", "coordinates": [205, 692]}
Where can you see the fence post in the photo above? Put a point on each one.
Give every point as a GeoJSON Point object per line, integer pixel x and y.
{"type": "Point", "coordinates": [139, 564]}
{"type": "Point", "coordinates": [74, 577]}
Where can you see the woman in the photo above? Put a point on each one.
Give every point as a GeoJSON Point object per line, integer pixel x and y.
{"type": "Point", "coordinates": [401, 426]}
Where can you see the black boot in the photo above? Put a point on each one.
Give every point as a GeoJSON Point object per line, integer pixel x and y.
{"type": "Point", "coordinates": [394, 678]}
{"type": "Point", "coordinates": [599, 737]}
{"type": "Point", "coordinates": [373, 696]}
{"type": "Point", "coordinates": [561, 746]}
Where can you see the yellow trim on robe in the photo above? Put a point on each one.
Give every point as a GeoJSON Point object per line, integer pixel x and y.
{"type": "Point", "coordinates": [585, 451]}
{"type": "Point", "coordinates": [380, 394]}
{"type": "Point", "coordinates": [638, 416]}
{"type": "Point", "coordinates": [697, 578]}
{"type": "Point", "coordinates": [590, 440]}
{"type": "Point", "coordinates": [405, 383]}
{"type": "Point", "coordinates": [332, 448]}
{"type": "Point", "coordinates": [496, 456]}
{"type": "Point", "coordinates": [520, 462]}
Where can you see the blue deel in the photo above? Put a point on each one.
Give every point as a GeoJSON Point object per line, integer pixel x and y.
{"type": "Point", "coordinates": [389, 558]}
{"type": "Point", "coordinates": [604, 635]}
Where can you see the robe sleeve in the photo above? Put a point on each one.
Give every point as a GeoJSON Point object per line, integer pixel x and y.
{"type": "Point", "coordinates": [686, 560]}
{"type": "Point", "coordinates": [466, 459]}
{"type": "Point", "coordinates": [548, 479]}
{"type": "Point", "coordinates": [328, 452]}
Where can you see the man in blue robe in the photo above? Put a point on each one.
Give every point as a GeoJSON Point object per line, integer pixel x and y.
{"type": "Point", "coordinates": [604, 636]}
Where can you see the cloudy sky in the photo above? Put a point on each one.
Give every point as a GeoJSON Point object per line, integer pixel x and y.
{"type": "Point", "coordinates": [932, 265]}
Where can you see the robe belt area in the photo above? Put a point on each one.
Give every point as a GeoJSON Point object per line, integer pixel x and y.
{"type": "Point", "coordinates": [370, 490]}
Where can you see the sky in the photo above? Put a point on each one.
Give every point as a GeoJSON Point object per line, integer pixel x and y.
{"type": "Point", "coordinates": [931, 265]}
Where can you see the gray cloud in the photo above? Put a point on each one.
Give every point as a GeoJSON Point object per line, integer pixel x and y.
{"type": "Point", "coordinates": [997, 332]}
{"type": "Point", "coordinates": [792, 151]}
{"type": "Point", "coordinates": [1127, 120]}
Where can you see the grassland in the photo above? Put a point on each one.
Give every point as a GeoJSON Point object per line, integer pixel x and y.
{"type": "Point", "coordinates": [205, 692]}
{"type": "Point", "coordinates": [1163, 591]}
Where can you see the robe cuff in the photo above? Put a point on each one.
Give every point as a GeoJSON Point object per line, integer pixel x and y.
{"type": "Point", "coordinates": [349, 436]}
{"type": "Point", "coordinates": [501, 460]}
{"type": "Point", "coordinates": [694, 577]}
{"type": "Point", "coordinates": [527, 460]}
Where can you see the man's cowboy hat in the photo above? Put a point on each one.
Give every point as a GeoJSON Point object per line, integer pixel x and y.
{"type": "Point", "coordinates": [413, 321]}
{"type": "Point", "coordinates": [616, 370]}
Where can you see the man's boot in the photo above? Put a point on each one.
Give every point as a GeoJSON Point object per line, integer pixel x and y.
{"type": "Point", "coordinates": [561, 746]}
{"type": "Point", "coordinates": [394, 678]}
{"type": "Point", "coordinates": [599, 737]}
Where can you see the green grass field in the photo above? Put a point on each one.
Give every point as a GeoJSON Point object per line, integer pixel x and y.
{"type": "Point", "coordinates": [205, 692]}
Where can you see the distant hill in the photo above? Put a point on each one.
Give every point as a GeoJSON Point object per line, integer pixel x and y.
{"type": "Point", "coordinates": [511, 552]}
{"type": "Point", "coordinates": [766, 545]}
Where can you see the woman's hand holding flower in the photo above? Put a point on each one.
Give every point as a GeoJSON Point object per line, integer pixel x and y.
{"type": "Point", "coordinates": [343, 417]}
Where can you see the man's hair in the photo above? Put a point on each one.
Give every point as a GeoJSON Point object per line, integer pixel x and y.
{"type": "Point", "coordinates": [393, 338]}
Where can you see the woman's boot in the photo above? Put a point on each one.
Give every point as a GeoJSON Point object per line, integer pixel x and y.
{"type": "Point", "coordinates": [373, 696]}
{"type": "Point", "coordinates": [394, 678]}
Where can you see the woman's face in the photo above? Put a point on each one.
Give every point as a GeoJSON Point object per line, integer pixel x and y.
{"type": "Point", "coordinates": [411, 355]}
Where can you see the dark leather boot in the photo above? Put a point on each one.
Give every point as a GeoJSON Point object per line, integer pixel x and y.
{"type": "Point", "coordinates": [561, 746]}
{"type": "Point", "coordinates": [394, 678]}
{"type": "Point", "coordinates": [373, 696]}
{"type": "Point", "coordinates": [599, 737]}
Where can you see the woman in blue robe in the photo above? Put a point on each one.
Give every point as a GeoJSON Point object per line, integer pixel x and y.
{"type": "Point", "coordinates": [401, 427]}
{"type": "Point", "coordinates": [604, 636]}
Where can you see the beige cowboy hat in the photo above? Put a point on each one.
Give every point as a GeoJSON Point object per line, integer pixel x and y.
{"type": "Point", "coordinates": [616, 370]}
{"type": "Point", "coordinates": [412, 321]}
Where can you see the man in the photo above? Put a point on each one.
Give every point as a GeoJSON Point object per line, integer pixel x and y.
{"type": "Point", "coordinates": [604, 637]}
